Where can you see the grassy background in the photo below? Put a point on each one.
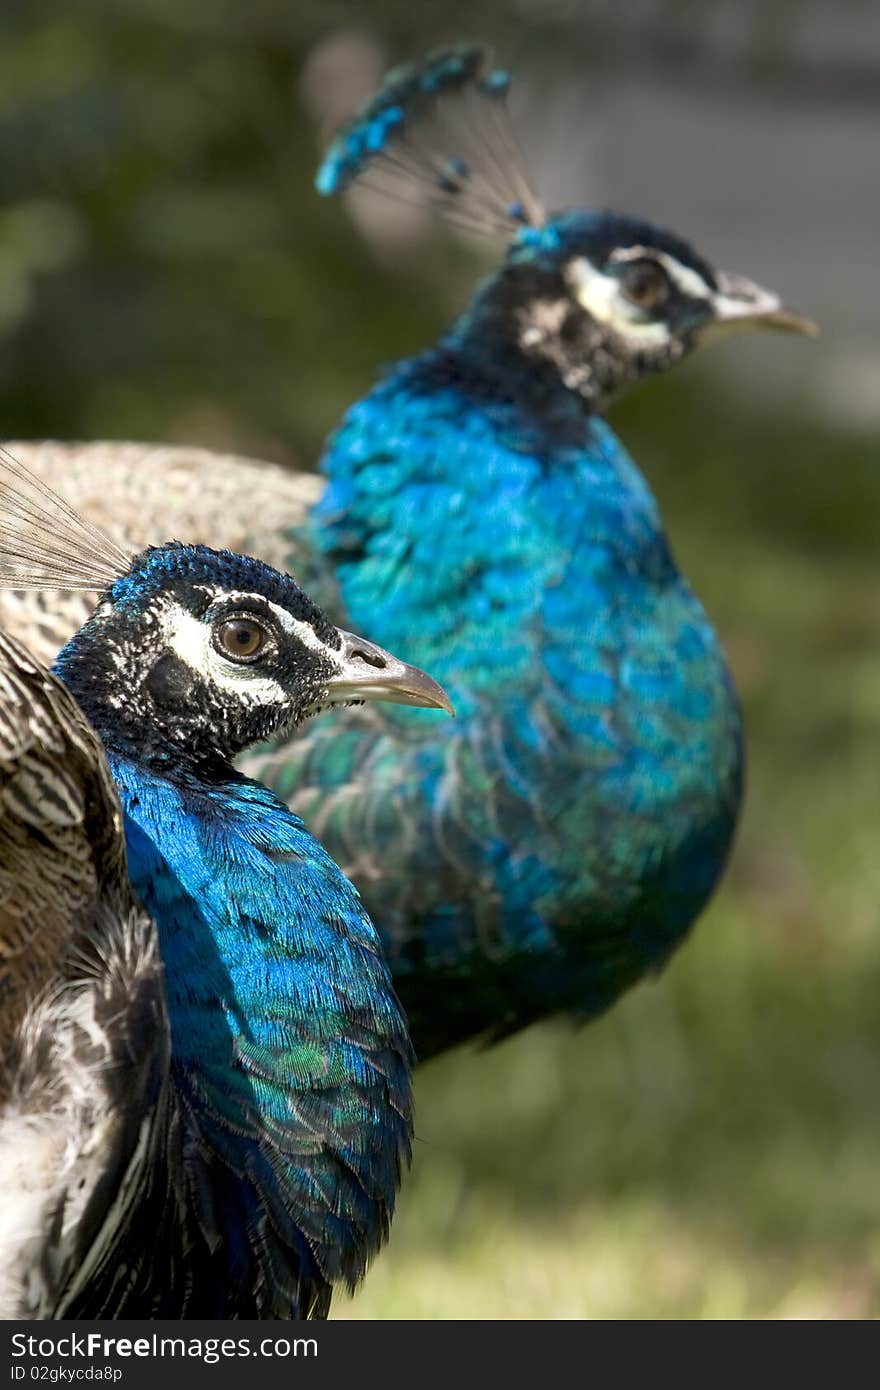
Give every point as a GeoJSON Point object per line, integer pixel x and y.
{"type": "Point", "coordinates": [711, 1147]}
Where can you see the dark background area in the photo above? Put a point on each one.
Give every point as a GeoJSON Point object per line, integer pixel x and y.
{"type": "Point", "coordinates": [167, 272]}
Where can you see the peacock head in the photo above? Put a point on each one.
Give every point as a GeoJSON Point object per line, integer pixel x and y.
{"type": "Point", "coordinates": [602, 298]}
{"type": "Point", "coordinates": [192, 654]}
{"type": "Point", "coordinates": [196, 653]}
{"type": "Point", "coordinates": [606, 298]}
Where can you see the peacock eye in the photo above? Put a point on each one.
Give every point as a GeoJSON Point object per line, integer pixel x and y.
{"type": "Point", "coordinates": [645, 284]}
{"type": "Point", "coordinates": [241, 639]}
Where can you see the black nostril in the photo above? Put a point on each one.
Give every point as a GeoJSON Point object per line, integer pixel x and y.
{"type": "Point", "coordinates": [371, 658]}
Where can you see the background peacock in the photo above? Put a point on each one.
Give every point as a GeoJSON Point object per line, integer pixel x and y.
{"type": "Point", "coordinates": [204, 1071]}
{"type": "Point", "coordinates": [479, 512]}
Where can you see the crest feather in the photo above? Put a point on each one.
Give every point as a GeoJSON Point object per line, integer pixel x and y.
{"type": "Point", "coordinates": [45, 543]}
{"type": "Point", "coordinates": [439, 131]}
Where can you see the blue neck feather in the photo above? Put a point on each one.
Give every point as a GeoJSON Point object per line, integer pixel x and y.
{"type": "Point", "coordinates": [289, 1050]}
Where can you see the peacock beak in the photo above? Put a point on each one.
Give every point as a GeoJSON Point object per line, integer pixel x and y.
{"type": "Point", "coordinates": [368, 672]}
{"type": "Point", "coordinates": [739, 303]}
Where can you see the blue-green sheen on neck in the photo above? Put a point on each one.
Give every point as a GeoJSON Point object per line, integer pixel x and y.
{"type": "Point", "coordinates": [590, 785]}
{"type": "Point", "coordinates": [287, 1040]}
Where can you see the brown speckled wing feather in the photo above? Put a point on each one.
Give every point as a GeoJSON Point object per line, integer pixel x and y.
{"type": "Point", "coordinates": [61, 843]}
{"type": "Point", "coordinates": [146, 494]}
{"type": "Point", "coordinates": [84, 1039]}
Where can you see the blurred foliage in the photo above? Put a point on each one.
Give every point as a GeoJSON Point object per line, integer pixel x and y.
{"type": "Point", "coordinates": [165, 266]}
{"type": "Point", "coordinates": [166, 272]}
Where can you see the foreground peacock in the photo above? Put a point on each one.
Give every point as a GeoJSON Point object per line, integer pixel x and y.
{"type": "Point", "coordinates": [480, 514]}
{"type": "Point", "coordinates": [205, 1097]}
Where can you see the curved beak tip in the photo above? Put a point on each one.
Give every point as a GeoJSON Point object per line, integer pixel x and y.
{"type": "Point", "coordinates": [416, 687]}
{"type": "Point", "coordinates": [799, 324]}
{"type": "Point", "coordinates": [740, 303]}
{"type": "Point", "coordinates": [786, 320]}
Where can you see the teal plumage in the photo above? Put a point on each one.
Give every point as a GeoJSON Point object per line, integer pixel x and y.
{"type": "Point", "coordinates": [288, 1051]}
{"type": "Point", "coordinates": [560, 838]}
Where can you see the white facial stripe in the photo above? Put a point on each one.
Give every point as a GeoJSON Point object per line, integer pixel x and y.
{"type": "Point", "coordinates": [601, 296]}
{"type": "Point", "coordinates": [303, 632]}
{"type": "Point", "coordinates": [688, 280]}
{"type": "Point", "coordinates": [191, 641]}
{"type": "Point", "coordinates": [730, 314]}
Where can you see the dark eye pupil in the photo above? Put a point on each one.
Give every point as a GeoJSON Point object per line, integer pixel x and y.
{"type": "Point", "coordinates": [645, 285]}
{"type": "Point", "coordinates": [241, 637]}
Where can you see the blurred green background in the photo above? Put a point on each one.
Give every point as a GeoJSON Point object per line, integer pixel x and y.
{"type": "Point", "coordinates": [711, 1148]}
